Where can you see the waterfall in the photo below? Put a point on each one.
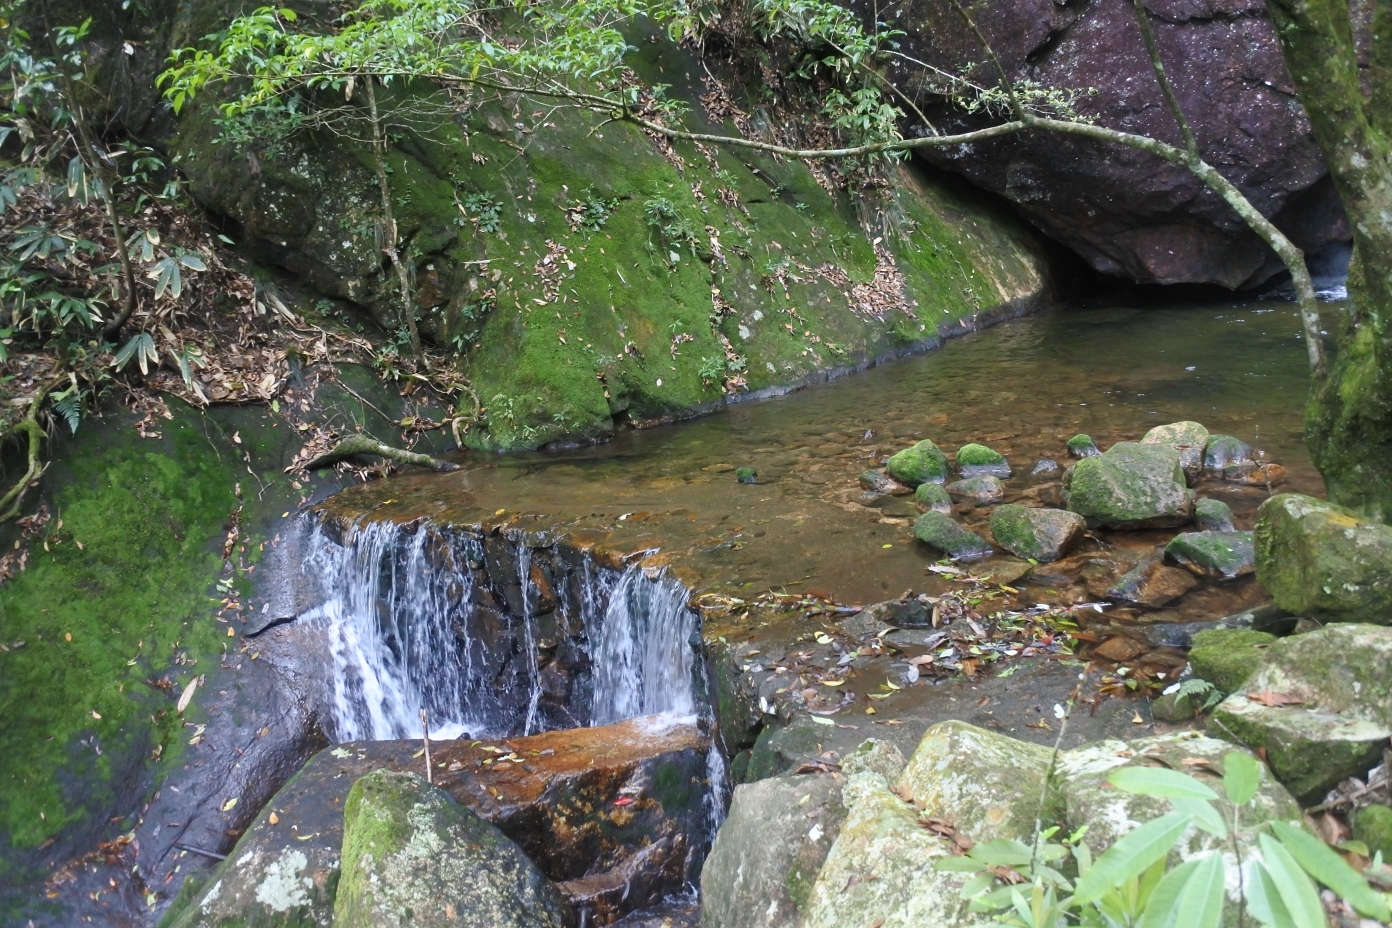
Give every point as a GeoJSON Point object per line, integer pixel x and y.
{"type": "Point", "coordinates": [530, 724]}
{"type": "Point", "coordinates": [643, 655]}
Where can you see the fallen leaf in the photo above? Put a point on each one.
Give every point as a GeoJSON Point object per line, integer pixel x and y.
{"type": "Point", "coordinates": [624, 801]}
{"type": "Point", "coordinates": [832, 682]}
{"type": "Point", "coordinates": [96, 714]}
{"type": "Point", "coordinates": [187, 696]}
{"type": "Point", "coordinates": [67, 636]}
{"type": "Point", "coordinates": [273, 819]}
{"type": "Point", "coordinates": [229, 804]}
{"type": "Point", "coordinates": [1274, 700]}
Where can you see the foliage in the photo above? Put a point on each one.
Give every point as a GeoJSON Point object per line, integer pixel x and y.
{"type": "Point", "coordinates": [1131, 883]}
{"type": "Point", "coordinates": [674, 227]}
{"type": "Point", "coordinates": [485, 212]}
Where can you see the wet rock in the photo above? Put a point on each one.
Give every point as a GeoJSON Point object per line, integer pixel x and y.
{"type": "Point", "coordinates": [907, 612]}
{"type": "Point", "coordinates": [1227, 657]}
{"type": "Point", "coordinates": [977, 489]}
{"type": "Point", "coordinates": [985, 783]}
{"type": "Point", "coordinates": [1255, 475]}
{"type": "Point", "coordinates": [1188, 438]}
{"type": "Point", "coordinates": [1270, 618]}
{"type": "Point", "coordinates": [1217, 555]}
{"type": "Point", "coordinates": [1213, 515]}
{"type": "Point", "coordinates": [1320, 706]}
{"type": "Point", "coordinates": [875, 482]}
{"type": "Point", "coordinates": [1045, 467]}
{"type": "Point", "coordinates": [1131, 486]}
{"type": "Point", "coordinates": [923, 463]}
{"type": "Point", "coordinates": [747, 475]}
{"type": "Point", "coordinates": [1321, 560]}
{"type": "Point", "coordinates": [1002, 570]}
{"type": "Point", "coordinates": [975, 460]}
{"type": "Point", "coordinates": [1223, 451]}
{"type": "Point", "coordinates": [1373, 826]}
{"type": "Point", "coordinates": [1082, 446]}
{"type": "Point", "coordinates": [768, 852]}
{"type": "Point", "coordinates": [933, 496]}
{"type": "Point", "coordinates": [1151, 583]}
{"type": "Point", "coordinates": [1119, 648]}
{"type": "Point", "coordinates": [411, 853]}
{"type": "Point", "coordinates": [895, 507]}
{"type": "Point", "coordinates": [937, 530]}
{"type": "Point", "coordinates": [1041, 534]}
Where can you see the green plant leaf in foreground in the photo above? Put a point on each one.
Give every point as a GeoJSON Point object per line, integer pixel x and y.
{"type": "Point", "coordinates": [1319, 861]}
{"type": "Point", "coordinates": [1292, 885]}
{"type": "Point", "coordinates": [1164, 900]}
{"type": "Point", "coordinates": [1131, 855]}
{"type": "Point", "coordinates": [1201, 897]}
{"type": "Point", "coordinates": [1157, 781]}
{"type": "Point", "coordinates": [1241, 777]}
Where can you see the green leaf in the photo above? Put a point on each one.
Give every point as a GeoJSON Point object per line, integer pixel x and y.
{"type": "Point", "coordinates": [1002, 852]}
{"type": "Point", "coordinates": [1206, 816]}
{"type": "Point", "coordinates": [1317, 859]}
{"type": "Point", "coordinates": [1131, 855]}
{"type": "Point", "coordinates": [1164, 899]}
{"type": "Point", "coordinates": [1157, 781]}
{"type": "Point", "coordinates": [141, 349]}
{"type": "Point", "coordinates": [192, 262]}
{"type": "Point", "coordinates": [1241, 777]}
{"type": "Point", "coordinates": [1264, 900]}
{"type": "Point", "coordinates": [1201, 898]}
{"type": "Point", "coordinates": [1294, 887]}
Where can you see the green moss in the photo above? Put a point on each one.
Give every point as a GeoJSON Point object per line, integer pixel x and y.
{"type": "Point", "coordinates": [1082, 446]}
{"type": "Point", "coordinates": [1373, 826]}
{"type": "Point", "coordinates": [923, 463]}
{"type": "Point", "coordinates": [938, 531]}
{"type": "Point", "coordinates": [934, 496]}
{"type": "Point", "coordinates": [1227, 657]}
{"type": "Point", "coordinates": [974, 455]}
{"type": "Point", "coordinates": [99, 622]}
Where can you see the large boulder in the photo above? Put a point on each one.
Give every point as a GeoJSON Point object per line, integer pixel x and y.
{"type": "Point", "coordinates": [1130, 486]}
{"type": "Point", "coordinates": [1126, 212]}
{"type": "Point", "coordinates": [1325, 561]}
{"type": "Point", "coordinates": [769, 851]}
{"type": "Point", "coordinates": [413, 855]}
{"type": "Point", "coordinates": [1319, 706]}
{"type": "Point", "coordinates": [1041, 534]}
{"type": "Point", "coordinates": [1188, 438]}
{"type": "Point", "coordinates": [1227, 657]}
{"type": "Point", "coordinates": [1215, 555]}
{"type": "Point", "coordinates": [922, 463]}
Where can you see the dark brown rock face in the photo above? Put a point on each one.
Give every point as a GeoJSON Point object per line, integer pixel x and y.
{"type": "Point", "coordinates": [1127, 212]}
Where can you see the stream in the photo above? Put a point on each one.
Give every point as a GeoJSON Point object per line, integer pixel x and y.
{"type": "Point", "coordinates": [548, 591]}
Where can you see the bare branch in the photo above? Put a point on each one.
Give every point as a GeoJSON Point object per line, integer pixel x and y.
{"type": "Point", "coordinates": [1172, 101]}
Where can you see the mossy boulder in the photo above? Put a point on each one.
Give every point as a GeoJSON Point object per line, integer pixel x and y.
{"type": "Point", "coordinates": [1131, 486]}
{"type": "Point", "coordinates": [1223, 451]}
{"type": "Point", "coordinates": [1320, 706]}
{"type": "Point", "coordinates": [975, 460]}
{"type": "Point", "coordinates": [412, 854]}
{"type": "Point", "coordinates": [1188, 438]}
{"type": "Point", "coordinates": [1227, 657]}
{"type": "Point", "coordinates": [1322, 560]}
{"type": "Point", "coordinates": [768, 851]}
{"type": "Point", "coordinates": [1082, 446]}
{"type": "Point", "coordinates": [1213, 515]}
{"type": "Point", "coordinates": [1040, 534]}
{"type": "Point", "coordinates": [923, 463]}
{"type": "Point", "coordinates": [985, 489]}
{"type": "Point", "coordinates": [933, 496]}
{"type": "Point", "coordinates": [1216, 555]}
{"type": "Point", "coordinates": [1373, 826]}
{"type": "Point", "coordinates": [938, 530]}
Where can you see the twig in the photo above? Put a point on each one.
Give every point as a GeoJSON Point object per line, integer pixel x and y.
{"type": "Point", "coordinates": [355, 445]}
{"type": "Point", "coordinates": [198, 850]}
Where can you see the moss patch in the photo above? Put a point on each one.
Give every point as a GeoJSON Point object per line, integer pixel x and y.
{"type": "Point", "coordinates": [1227, 657]}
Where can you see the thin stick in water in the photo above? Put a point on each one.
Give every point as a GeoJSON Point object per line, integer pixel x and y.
{"type": "Point", "coordinates": [425, 736]}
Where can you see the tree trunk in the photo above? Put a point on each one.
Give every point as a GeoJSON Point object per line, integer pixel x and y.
{"type": "Point", "coordinates": [1349, 420]}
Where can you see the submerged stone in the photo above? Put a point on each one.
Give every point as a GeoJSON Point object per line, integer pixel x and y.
{"type": "Point", "coordinates": [977, 489]}
{"type": "Point", "coordinates": [1227, 657]}
{"type": "Point", "coordinates": [1213, 515]}
{"type": "Point", "coordinates": [747, 475]}
{"type": "Point", "coordinates": [1218, 555]}
{"type": "Point", "coordinates": [413, 855]}
{"type": "Point", "coordinates": [975, 460]}
{"type": "Point", "coordinates": [769, 850]}
{"type": "Point", "coordinates": [1041, 534]}
{"type": "Point", "coordinates": [1255, 475]}
{"type": "Point", "coordinates": [933, 496]}
{"type": "Point", "coordinates": [1045, 467]}
{"type": "Point", "coordinates": [937, 530]}
{"type": "Point", "coordinates": [1320, 706]}
{"type": "Point", "coordinates": [922, 463]}
{"type": "Point", "coordinates": [875, 482]}
{"type": "Point", "coordinates": [1322, 560]}
{"type": "Point", "coordinates": [1151, 583]}
{"type": "Point", "coordinates": [1131, 486]}
{"type": "Point", "coordinates": [1224, 450]}
{"type": "Point", "coordinates": [1082, 446]}
{"type": "Point", "coordinates": [1189, 439]}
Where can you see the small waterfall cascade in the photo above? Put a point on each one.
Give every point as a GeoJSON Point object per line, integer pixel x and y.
{"type": "Point", "coordinates": [491, 636]}
{"type": "Point", "coordinates": [644, 659]}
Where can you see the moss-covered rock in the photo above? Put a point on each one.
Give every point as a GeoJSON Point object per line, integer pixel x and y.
{"type": "Point", "coordinates": [1227, 657]}
{"type": "Point", "coordinates": [1041, 534]}
{"type": "Point", "coordinates": [769, 850]}
{"type": "Point", "coordinates": [1223, 451]}
{"type": "Point", "coordinates": [747, 475]}
{"type": "Point", "coordinates": [1322, 560]}
{"type": "Point", "coordinates": [1373, 826]}
{"type": "Point", "coordinates": [1131, 486]}
{"type": "Point", "coordinates": [985, 489]}
{"type": "Point", "coordinates": [922, 463]}
{"type": "Point", "coordinates": [1188, 438]}
{"type": "Point", "coordinates": [1082, 446]}
{"type": "Point", "coordinates": [975, 460]}
{"type": "Point", "coordinates": [1320, 706]}
{"type": "Point", "coordinates": [1213, 515]}
{"type": "Point", "coordinates": [411, 854]}
{"type": "Point", "coordinates": [938, 530]}
{"type": "Point", "coordinates": [1218, 555]}
{"type": "Point", "coordinates": [933, 496]}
